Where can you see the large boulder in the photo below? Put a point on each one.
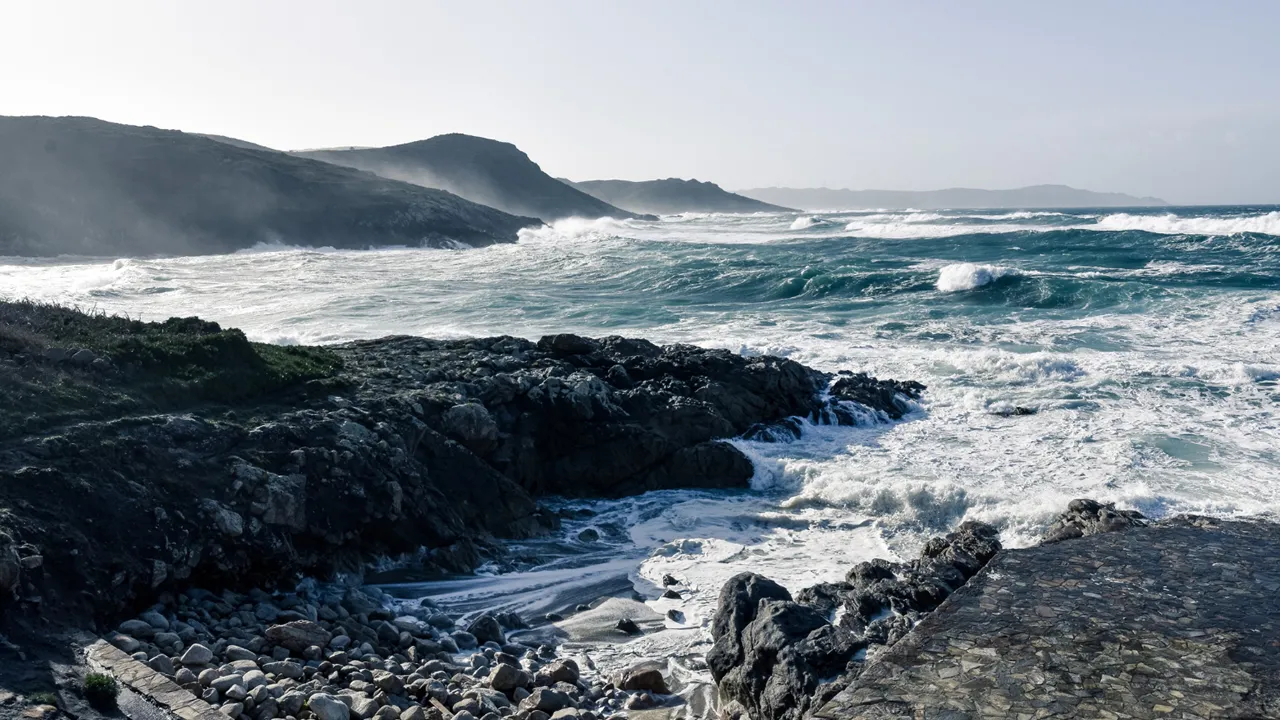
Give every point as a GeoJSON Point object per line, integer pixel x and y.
{"type": "Point", "coordinates": [739, 600]}
{"type": "Point", "coordinates": [298, 635]}
{"type": "Point", "coordinates": [774, 659]}
{"type": "Point", "coordinates": [486, 629]}
{"type": "Point", "coordinates": [788, 650]}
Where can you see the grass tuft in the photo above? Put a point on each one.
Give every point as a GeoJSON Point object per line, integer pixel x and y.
{"type": "Point", "coordinates": [101, 690]}
{"type": "Point", "coordinates": [162, 366]}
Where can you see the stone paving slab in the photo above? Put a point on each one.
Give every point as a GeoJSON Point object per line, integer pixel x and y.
{"type": "Point", "coordinates": [1179, 620]}
{"type": "Point", "coordinates": [153, 686]}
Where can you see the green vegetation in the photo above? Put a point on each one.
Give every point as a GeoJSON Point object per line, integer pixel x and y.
{"type": "Point", "coordinates": [174, 364]}
{"type": "Point", "coordinates": [100, 690]}
{"type": "Point", "coordinates": [44, 698]}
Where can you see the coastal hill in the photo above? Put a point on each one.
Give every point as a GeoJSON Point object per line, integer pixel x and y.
{"type": "Point", "coordinates": [489, 172]}
{"type": "Point", "coordinates": [673, 196]}
{"type": "Point", "coordinates": [1035, 196]}
{"type": "Point", "coordinates": [82, 186]}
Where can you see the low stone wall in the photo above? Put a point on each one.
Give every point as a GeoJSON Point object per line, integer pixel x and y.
{"type": "Point", "coordinates": [148, 683]}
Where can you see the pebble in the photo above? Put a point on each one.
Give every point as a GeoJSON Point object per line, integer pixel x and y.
{"type": "Point", "coordinates": [374, 664]}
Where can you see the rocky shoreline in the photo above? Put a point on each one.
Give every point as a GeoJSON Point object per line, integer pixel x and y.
{"type": "Point", "coordinates": [141, 462]}
{"type": "Point", "coordinates": [1111, 616]}
{"type": "Point", "coordinates": [335, 653]}
{"type": "Point", "coordinates": [181, 477]}
{"type": "Point", "coordinates": [180, 455]}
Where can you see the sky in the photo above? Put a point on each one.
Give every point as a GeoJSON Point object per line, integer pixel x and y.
{"type": "Point", "coordinates": [1176, 99]}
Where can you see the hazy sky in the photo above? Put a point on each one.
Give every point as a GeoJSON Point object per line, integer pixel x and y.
{"type": "Point", "coordinates": [1178, 99]}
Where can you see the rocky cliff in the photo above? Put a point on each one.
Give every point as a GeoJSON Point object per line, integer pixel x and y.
{"type": "Point", "coordinates": [673, 196]}
{"type": "Point", "coordinates": [136, 457]}
{"type": "Point", "coordinates": [86, 187]}
{"type": "Point", "coordinates": [486, 171]}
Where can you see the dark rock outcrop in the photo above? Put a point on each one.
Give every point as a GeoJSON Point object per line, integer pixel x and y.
{"type": "Point", "coordinates": [489, 172]}
{"type": "Point", "coordinates": [191, 456]}
{"type": "Point", "coordinates": [673, 196]}
{"type": "Point", "coordinates": [88, 187]}
{"type": "Point", "coordinates": [776, 658]}
{"type": "Point", "coordinates": [1176, 618]}
{"type": "Point", "coordinates": [1090, 517]}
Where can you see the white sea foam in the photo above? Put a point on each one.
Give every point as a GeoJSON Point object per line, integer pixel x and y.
{"type": "Point", "coordinates": [1165, 404]}
{"type": "Point", "coordinates": [1170, 224]}
{"type": "Point", "coordinates": [969, 276]}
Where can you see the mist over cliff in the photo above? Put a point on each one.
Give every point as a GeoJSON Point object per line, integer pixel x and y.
{"type": "Point", "coordinates": [489, 172]}
{"type": "Point", "coordinates": [88, 187]}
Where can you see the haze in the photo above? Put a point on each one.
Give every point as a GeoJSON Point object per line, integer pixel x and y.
{"type": "Point", "coordinates": [1179, 100]}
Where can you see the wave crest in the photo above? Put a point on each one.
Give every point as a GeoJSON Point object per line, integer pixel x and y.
{"type": "Point", "coordinates": [970, 276]}
{"type": "Point", "coordinates": [1170, 224]}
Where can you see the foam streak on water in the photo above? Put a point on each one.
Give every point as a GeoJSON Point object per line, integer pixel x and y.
{"type": "Point", "coordinates": [1148, 342]}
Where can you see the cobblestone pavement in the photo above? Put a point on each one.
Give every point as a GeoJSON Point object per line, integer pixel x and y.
{"type": "Point", "coordinates": [1179, 620]}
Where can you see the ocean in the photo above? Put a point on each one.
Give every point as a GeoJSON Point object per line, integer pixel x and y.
{"type": "Point", "coordinates": [1123, 355]}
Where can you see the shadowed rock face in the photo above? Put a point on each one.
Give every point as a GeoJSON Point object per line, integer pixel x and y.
{"type": "Point", "coordinates": [486, 171]}
{"type": "Point", "coordinates": [673, 196]}
{"type": "Point", "coordinates": [777, 659]}
{"type": "Point", "coordinates": [185, 455]}
{"type": "Point", "coordinates": [1177, 618]}
{"type": "Point", "coordinates": [87, 187]}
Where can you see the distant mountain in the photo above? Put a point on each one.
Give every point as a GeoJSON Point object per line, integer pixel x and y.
{"type": "Point", "coordinates": [88, 187]}
{"type": "Point", "coordinates": [486, 171]}
{"type": "Point", "coordinates": [672, 196]}
{"type": "Point", "coordinates": [1036, 196]}
{"type": "Point", "coordinates": [237, 142]}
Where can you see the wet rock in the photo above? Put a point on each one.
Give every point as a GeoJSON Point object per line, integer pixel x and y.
{"type": "Point", "coordinates": [788, 649]}
{"type": "Point", "coordinates": [644, 676]}
{"type": "Point", "coordinates": [564, 670]}
{"type": "Point", "coordinates": [465, 640]}
{"type": "Point", "coordinates": [298, 635]}
{"type": "Point", "coordinates": [1090, 517]}
{"type": "Point", "coordinates": [505, 678]}
{"type": "Point", "coordinates": [547, 700]}
{"type": "Point", "coordinates": [739, 600]}
{"type": "Point", "coordinates": [641, 701]}
{"type": "Point", "coordinates": [628, 626]}
{"type": "Point", "coordinates": [486, 629]}
{"type": "Point", "coordinates": [672, 594]}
